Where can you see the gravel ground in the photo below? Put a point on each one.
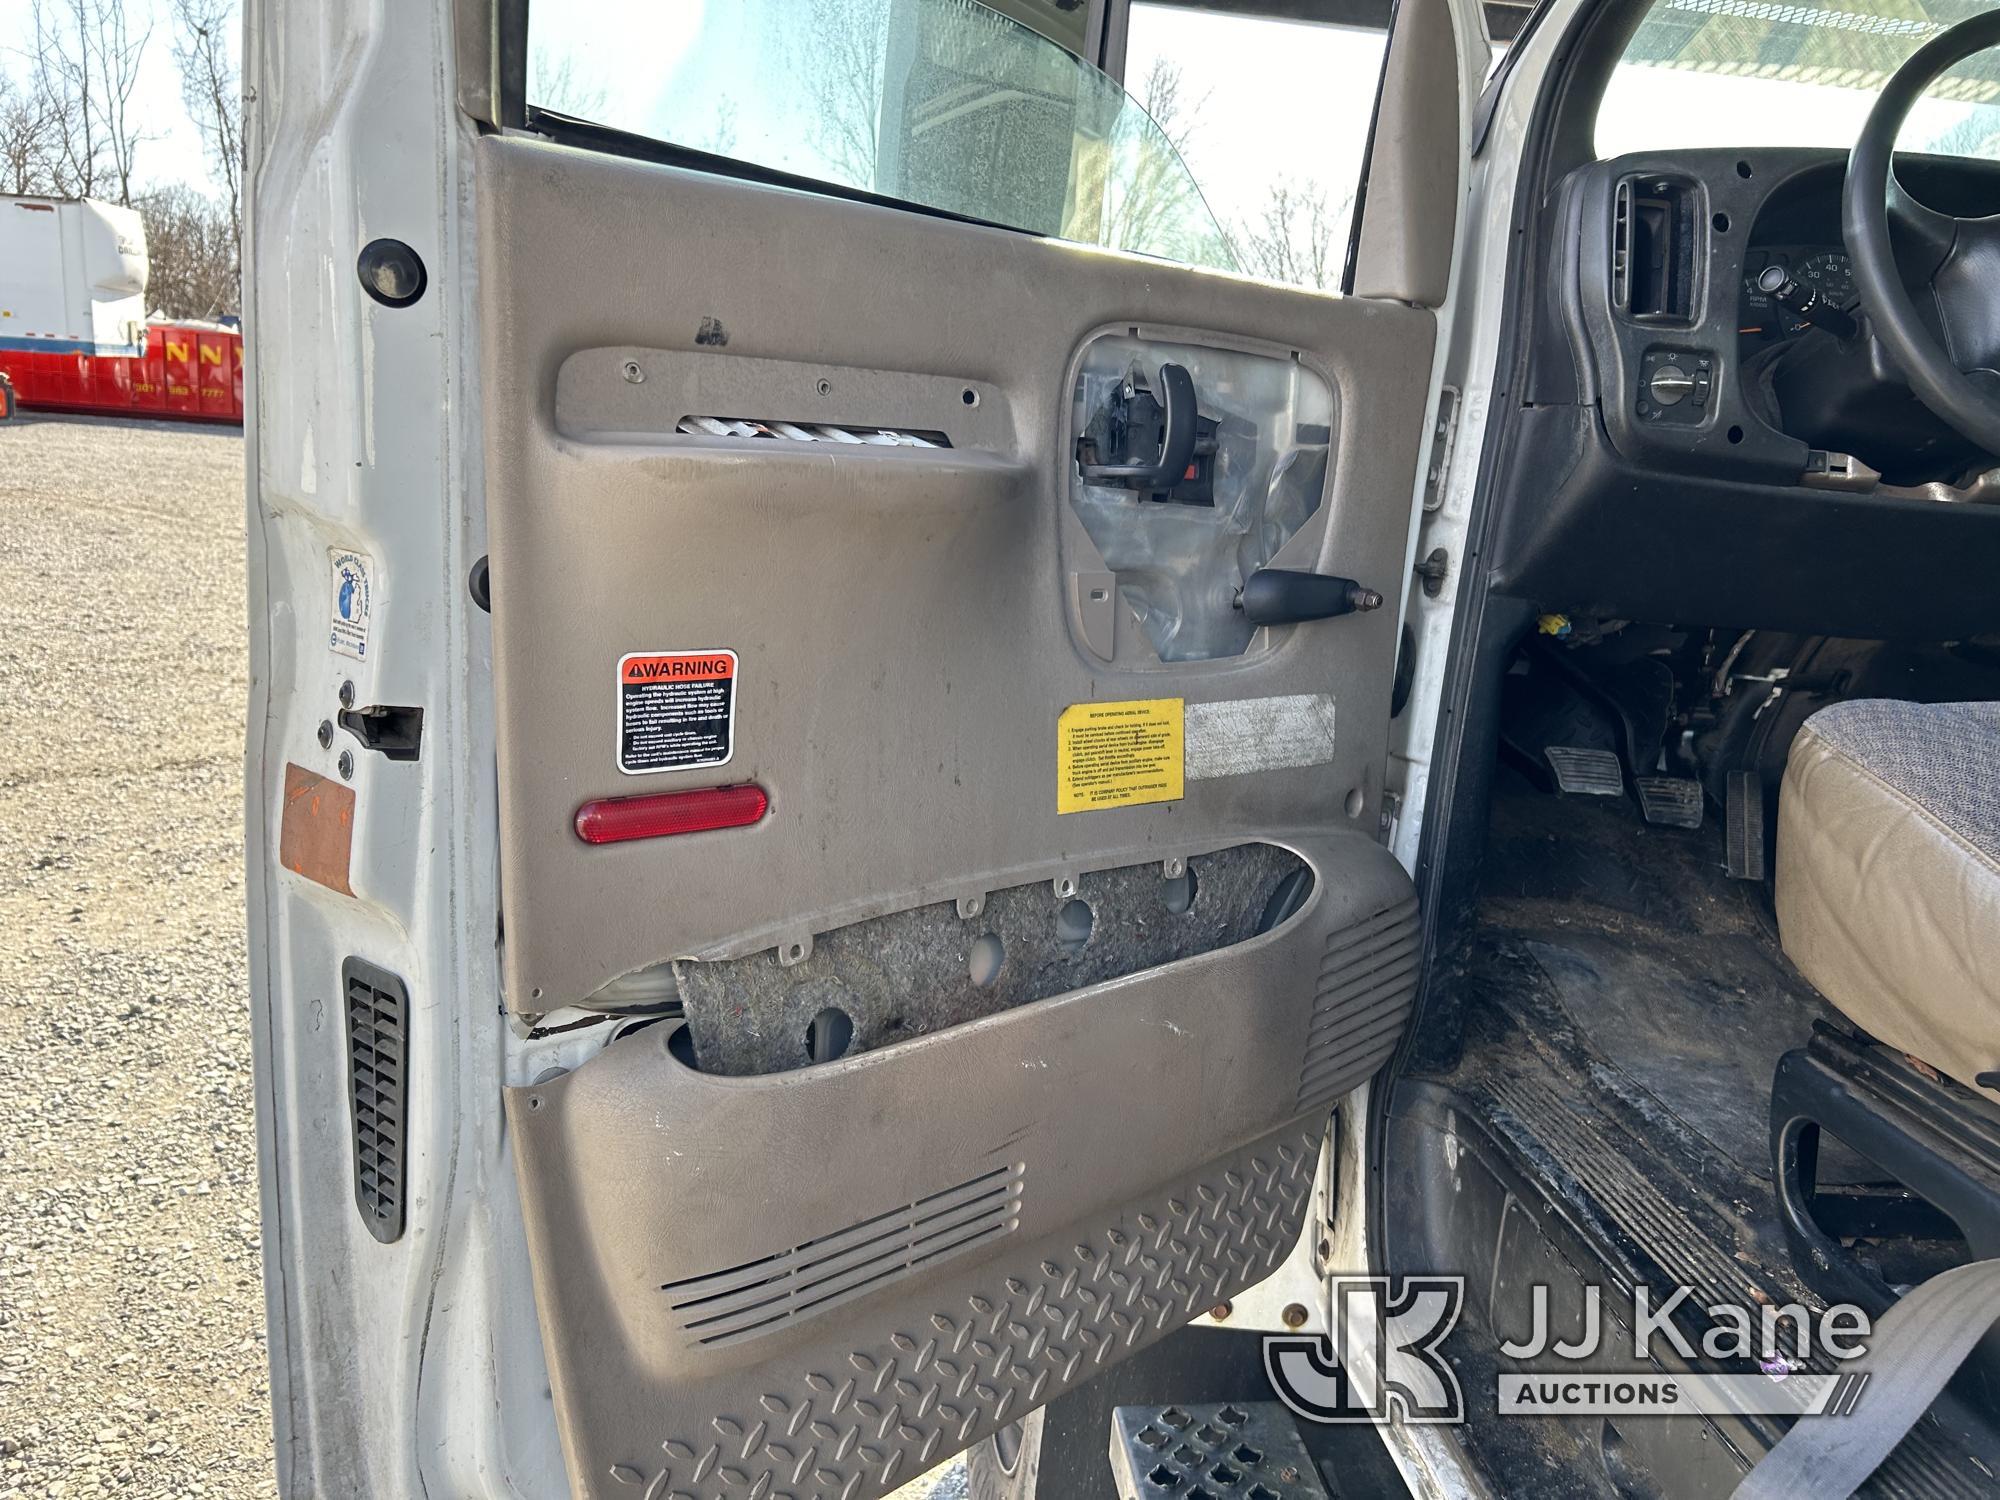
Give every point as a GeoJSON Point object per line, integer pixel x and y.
{"type": "Point", "coordinates": [131, 1311]}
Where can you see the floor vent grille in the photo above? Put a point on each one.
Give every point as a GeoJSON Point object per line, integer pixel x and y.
{"type": "Point", "coordinates": [378, 1057]}
{"type": "Point", "coordinates": [759, 1295]}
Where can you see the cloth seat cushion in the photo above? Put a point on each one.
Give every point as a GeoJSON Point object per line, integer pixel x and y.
{"type": "Point", "coordinates": [1888, 886]}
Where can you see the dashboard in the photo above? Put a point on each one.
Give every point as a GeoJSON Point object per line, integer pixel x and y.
{"type": "Point", "coordinates": [1684, 285]}
{"type": "Point", "coordinates": [1666, 447]}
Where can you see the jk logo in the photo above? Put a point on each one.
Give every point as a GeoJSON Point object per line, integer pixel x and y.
{"type": "Point", "coordinates": [1382, 1363]}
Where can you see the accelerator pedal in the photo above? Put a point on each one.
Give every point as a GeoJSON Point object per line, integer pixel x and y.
{"type": "Point", "coordinates": [1743, 813]}
{"type": "Point", "coordinates": [1670, 801]}
{"type": "Point", "coordinates": [1245, 1450]}
{"type": "Point", "coordinates": [1585, 772]}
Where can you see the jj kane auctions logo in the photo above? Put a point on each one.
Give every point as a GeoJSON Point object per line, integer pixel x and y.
{"type": "Point", "coordinates": [1384, 1362]}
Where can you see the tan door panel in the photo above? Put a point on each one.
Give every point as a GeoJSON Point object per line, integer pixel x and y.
{"type": "Point", "coordinates": [902, 616]}
{"type": "Point", "coordinates": [823, 451]}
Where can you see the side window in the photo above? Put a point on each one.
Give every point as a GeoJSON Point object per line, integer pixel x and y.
{"type": "Point", "coordinates": [947, 104]}
{"type": "Point", "coordinates": [1271, 117]}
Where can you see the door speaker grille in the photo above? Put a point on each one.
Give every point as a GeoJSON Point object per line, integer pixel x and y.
{"type": "Point", "coordinates": [378, 1045]}
{"type": "Point", "coordinates": [759, 1295]}
{"type": "Point", "coordinates": [1367, 982]}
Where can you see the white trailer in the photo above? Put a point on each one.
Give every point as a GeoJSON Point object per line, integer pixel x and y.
{"type": "Point", "coordinates": [72, 276]}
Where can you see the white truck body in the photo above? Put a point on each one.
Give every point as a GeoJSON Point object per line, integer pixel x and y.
{"type": "Point", "coordinates": [72, 276]}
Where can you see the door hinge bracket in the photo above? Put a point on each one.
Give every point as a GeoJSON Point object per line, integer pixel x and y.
{"type": "Point", "coordinates": [1443, 433]}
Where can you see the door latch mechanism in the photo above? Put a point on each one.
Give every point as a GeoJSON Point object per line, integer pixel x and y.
{"type": "Point", "coordinates": [1152, 441]}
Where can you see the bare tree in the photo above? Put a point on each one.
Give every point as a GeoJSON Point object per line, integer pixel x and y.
{"type": "Point", "coordinates": [119, 54]}
{"type": "Point", "coordinates": [555, 86]}
{"type": "Point", "coordinates": [85, 59]}
{"type": "Point", "coordinates": [1163, 96]}
{"type": "Point", "coordinates": [841, 58]}
{"type": "Point", "coordinates": [1298, 237]}
{"type": "Point", "coordinates": [721, 137]}
{"type": "Point", "coordinates": [1153, 203]}
{"type": "Point", "coordinates": [27, 142]}
{"type": "Point", "coordinates": [212, 90]}
{"type": "Point", "coordinates": [63, 84]}
{"type": "Point", "coordinates": [191, 253]}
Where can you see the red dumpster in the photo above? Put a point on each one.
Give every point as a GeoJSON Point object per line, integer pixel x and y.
{"type": "Point", "coordinates": [187, 370]}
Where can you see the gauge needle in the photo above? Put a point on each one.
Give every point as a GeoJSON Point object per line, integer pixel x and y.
{"type": "Point", "coordinates": [1749, 330]}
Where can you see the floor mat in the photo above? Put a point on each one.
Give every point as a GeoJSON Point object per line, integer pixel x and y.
{"type": "Point", "coordinates": [1704, 1045]}
{"type": "Point", "coordinates": [1669, 971]}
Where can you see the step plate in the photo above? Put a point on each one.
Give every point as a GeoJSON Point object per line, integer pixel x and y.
{"type": "Point", "coordinates": [1246, 1450]}
{"type": "Point", "coordinates": [1581, 771]}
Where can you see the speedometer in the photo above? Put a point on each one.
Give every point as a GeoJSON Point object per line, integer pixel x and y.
{"type": "Point", "coordinates": [1829, 273]}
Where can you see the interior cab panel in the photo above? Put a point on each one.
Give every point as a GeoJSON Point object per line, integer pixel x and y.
{"type": "Point", "coordinates": [1667, 460]}
{"type": "Point", "coordinates": [954, 1218]}
{"type": "Point", "coordinates": [835, 1016]}
{"type": "Point", "coordinates": [1708, 468]}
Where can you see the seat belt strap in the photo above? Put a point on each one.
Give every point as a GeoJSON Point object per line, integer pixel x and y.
{"type": "Point", "coordinates": [1917, 1347]}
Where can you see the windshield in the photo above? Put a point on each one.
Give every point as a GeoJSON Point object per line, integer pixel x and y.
{"type": "Point", "coordinates": [944, 103]}
{"type": "Point", "coordinates": [1751, 73]}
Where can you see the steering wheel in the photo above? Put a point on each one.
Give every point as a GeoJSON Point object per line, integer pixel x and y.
{"type": "Point", "coordinates": [1952, 263]}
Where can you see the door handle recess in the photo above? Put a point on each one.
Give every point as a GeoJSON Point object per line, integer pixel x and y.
{"type": "Point", "coordinates": [1285, 596]}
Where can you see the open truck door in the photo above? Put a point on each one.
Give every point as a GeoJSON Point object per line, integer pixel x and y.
{"type": "Point", "coordinates": [822, 699]}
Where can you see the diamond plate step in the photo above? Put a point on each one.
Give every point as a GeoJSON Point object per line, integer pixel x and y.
{"type": "Point", "coordinates": [1670, 801]}
{"type": "Point", "coordinates": [1585, 772]}
{"type": "Point", "coordinates": [1247, 1450]}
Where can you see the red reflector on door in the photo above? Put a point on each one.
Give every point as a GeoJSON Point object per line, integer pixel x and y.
{"type": "Point", "coordinates": [615, 819]}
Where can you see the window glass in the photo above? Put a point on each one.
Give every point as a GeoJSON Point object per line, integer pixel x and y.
{"type": "Point", "coordinates": [945, 103]}
{"type": "Point", "coordinates": [1754, 73]}
{"type": "Point", "coordinates": [1272, 118]}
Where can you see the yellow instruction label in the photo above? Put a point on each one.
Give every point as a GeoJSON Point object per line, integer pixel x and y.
{"type": "Point", "coordinates": [1118, 754]}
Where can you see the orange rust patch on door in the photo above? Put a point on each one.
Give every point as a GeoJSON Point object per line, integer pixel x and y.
{"type": "Point", "coordinates": [316, 833]}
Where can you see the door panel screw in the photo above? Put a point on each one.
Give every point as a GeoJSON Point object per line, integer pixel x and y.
{"type": "Point", "coordinates": [347, 765]}
{"type": "Point", "coordinates": [1294, 1315]}
{"type": "Point", "coordinates": [326, 734]}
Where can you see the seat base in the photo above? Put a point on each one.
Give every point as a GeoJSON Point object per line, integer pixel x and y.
{"type": "Point", "coordinates": [1940, 1143]}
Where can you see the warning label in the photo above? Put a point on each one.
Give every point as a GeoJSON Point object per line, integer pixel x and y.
{"type": "Point", "coordinates": [1118, 754]}
{"type": "Point", "coordinates": [676, 710]}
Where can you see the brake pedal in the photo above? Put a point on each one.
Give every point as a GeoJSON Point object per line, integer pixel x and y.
{"type": "Point", "coordinates": [1237, 1449]}
{"type": "Point", "coordinates": [1670, 801]}
{"type": "Point", "coordinates": [1584, 771]}
{"type": "Point", "coordinates": [1743, 819]}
